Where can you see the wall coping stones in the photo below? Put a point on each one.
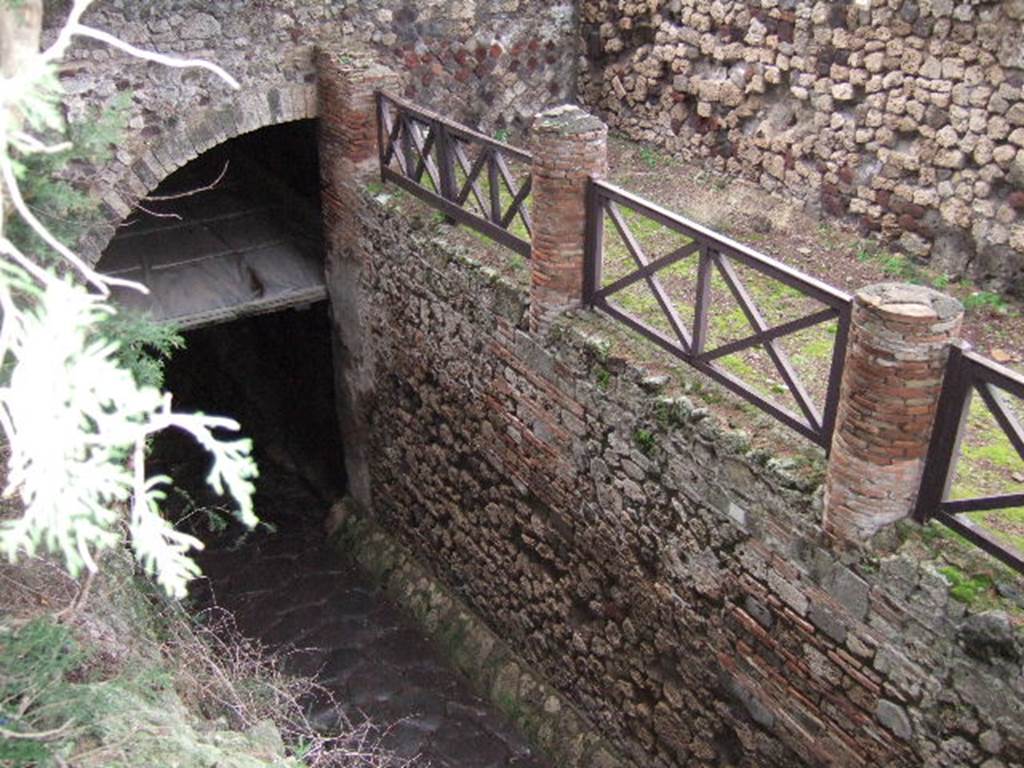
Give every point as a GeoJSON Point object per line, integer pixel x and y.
{"type": "Point", "coordinates": [567, 120]}
{"type": "Point", "coordinates": [908, 303]}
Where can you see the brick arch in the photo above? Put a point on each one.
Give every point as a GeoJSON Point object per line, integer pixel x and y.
{"type": "Point", "coordinates": [203, 130]}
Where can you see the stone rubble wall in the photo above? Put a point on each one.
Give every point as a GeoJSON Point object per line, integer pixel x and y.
{"type": "Point", "coordinates": [667, 579]}
{"type": "Point", "coordinates": [905, 115]}
{"type": "Point", "coordinates": [491, 63]}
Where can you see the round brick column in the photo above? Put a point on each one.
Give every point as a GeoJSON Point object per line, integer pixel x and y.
{"type": "Point", "coordinates": [888, 398]}
{"type": "Point", "coordinates": [568, 147]}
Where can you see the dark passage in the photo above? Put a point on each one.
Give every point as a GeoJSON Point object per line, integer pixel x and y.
{"type": "Point", "coordinates": [289, 589]}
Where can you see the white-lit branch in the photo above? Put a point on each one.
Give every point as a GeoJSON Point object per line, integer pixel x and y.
{"type": "Point", "coordinates": [159, 58]}
{"type": "Point", "coordinates": [194, 191]}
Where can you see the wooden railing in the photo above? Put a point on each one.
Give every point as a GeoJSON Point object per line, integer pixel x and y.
{"type": "Point", "coordinates": [473, 179]}
{"type": "Point", "coordinates": [690, 343]}
{"type": "Point", "coordinates": [480, 182]}
{"type": "Point", "coordinates": [968, 374]}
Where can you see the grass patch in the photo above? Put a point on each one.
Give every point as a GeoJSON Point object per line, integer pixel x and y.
{"type": "Point", "coordinates": [895, 266]}
{"type": "Point", "coordinates": [989, 464]}
{"type": "Point", "coordinates": [653, 158]}
{"type": "Point", "coordinates": [966, 588]}
{"type": "Point", "coordinates": [739, 367]}
{"type": "Point", "coordinates": [645, 441]}
{"type": "Point", "coordinates": [36, 661]}
{"type": "Point", "coordinates": [986, 302]}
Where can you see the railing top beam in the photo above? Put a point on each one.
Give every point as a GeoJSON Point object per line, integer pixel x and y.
{"type": "Point", "coordinates": [992, 372]}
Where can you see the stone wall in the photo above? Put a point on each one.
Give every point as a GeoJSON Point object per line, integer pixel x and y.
{"type": "Point", "coordinates": [670, 581]}
{"type": "Point", "coordinates": [906, 115]}
{"type": "Point", "coordinates": [492, 63]}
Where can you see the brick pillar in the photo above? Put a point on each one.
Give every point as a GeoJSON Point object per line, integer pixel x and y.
{"type": "Point", "coordinates": [887, 403]}
{"type": "Point", "coordinates": [347, 142]}
{"type": "Point", "coordinates": [348, 115]}
{"type": "Point", "coordinates": [568, 147]}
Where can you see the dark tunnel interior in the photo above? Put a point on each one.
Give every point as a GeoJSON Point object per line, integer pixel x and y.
{"type": "Point", "coordinates": [273, 374]}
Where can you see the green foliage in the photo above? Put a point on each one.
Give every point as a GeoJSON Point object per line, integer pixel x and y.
{"type": "Point", "coordinates": [967, 589]}
{"type": "Point", "coordinates": [35, 660]}
{"type": "Point", "coordinates": [501, 134]}
{"type": "Point", "coordinates": [645, 441]}
{"type": "Point", "coordinates": [986, 301]}
{"type": "Point", "coordinates": [598, 347]}
{"type": "Point", "coordinates": [900, 267]}
{"type": "Point", "coordinates": [671, 412]}
{"type": "Point", "coordinates": [74, 416]}
{"type": "Point", "coordinates": [649, 157]}
{"type": "Point", "coordinates": [895, 266]}
{"type": "Point", "coordinates": [603, 377]}
{"type": "Point", "coordinates": [76, 707]}
{"type": "Point", "coordinates": [866, 252]}
{"type": "Point", "coordinates": [144, 346]}
{"type": "Point", "coordinates": [66, 210]}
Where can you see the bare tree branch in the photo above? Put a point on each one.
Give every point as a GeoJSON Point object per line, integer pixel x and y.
{"type": "Point", "coordinates": [195, 191]}
{"type": "Point", "coordinates": [37, 735]}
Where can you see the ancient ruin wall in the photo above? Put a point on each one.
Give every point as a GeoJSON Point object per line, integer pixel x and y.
{"type": "Point", "coordinates": [668, 579]}
{"type": "Point", "coordinates": [492, 63]}
{"type": "Point", "coordinates": [906, 115]}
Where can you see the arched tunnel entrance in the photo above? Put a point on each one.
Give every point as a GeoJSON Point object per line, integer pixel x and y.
{"type": "Point", "coordinates": [261, 352]}
{"type": "Point", "coordinates": [233, 233]}
{"type": "Point", "coordinates": [230, 248]}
